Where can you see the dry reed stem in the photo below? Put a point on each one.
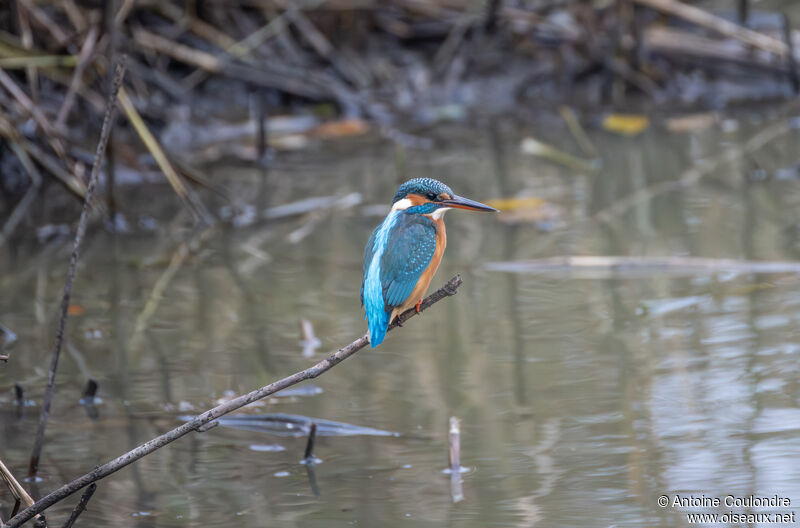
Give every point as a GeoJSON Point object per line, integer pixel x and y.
{"type": "Point", "coordinates": [74, 86]}
{"type": "Point", "coordinates": [703, 18]}
{"type": "Point", "coordinates": [15, 487]}
{"type": "Point", "coordinates": [154, 147]}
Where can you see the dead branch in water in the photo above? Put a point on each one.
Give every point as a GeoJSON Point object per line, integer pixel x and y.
{"type": "Point", "coordinates": [108, 121]}
{"type": "Point", "coordinates": [606, 265]}
{"type": "Point", "coordinates": [450, 288]}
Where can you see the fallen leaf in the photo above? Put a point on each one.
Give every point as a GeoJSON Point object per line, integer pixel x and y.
{"type": "Point", "coordinates": [75, 309]}
{"type": "Point", "coordinates": [346, 127]}
{"type": "Point", "coordinates": [626, 124]}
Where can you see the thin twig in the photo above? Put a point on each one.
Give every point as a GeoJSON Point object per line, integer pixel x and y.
{"type": "Point", "coordinates": [84, 219]}
{"type": "Point", "coordinates": [81, 505]}
{"type": "Point", "coordinates": [192, 425]}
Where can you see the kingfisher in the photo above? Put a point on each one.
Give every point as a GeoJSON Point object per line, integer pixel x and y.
{"type": "Point", "coordinates": [405, 250]}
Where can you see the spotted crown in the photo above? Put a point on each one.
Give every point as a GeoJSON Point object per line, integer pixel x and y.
{"type": "Point", "coordinates": [421, 186]}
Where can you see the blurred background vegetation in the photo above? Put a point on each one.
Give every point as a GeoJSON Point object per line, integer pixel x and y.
{"type": "Point", "coordinates": [242, 81]}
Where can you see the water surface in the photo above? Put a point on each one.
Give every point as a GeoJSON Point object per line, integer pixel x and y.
{"type": "Point", "coordinates": [582, 399]}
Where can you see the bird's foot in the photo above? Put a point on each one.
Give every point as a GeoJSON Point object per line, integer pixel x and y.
{"type": "Point", "coordinates": [418, 305]}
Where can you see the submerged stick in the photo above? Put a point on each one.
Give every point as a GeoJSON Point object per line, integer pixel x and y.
{"type": "Point", "coordinates": [108, 121]}
{"type": "Point", "coordinates": [158, 442]}
{"type": "Point", "coordinates": [19, 402]}
{"type": "Point", "coordinates": [456, 492]}
{"type": "Point", "coordinates": [308, 456]}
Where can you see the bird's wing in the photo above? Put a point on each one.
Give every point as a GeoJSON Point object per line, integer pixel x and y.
{"type": "Point", "coordinates": [369, 251]}
{"type": "Point", "coordinates": [408, 253]}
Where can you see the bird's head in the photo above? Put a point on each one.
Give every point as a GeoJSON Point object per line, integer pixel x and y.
{"type": "Point", "coordinates": [429, 196]}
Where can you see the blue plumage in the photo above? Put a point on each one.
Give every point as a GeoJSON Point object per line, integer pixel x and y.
{"type": "Point", "coordinates": [401, 255]}
{"type": "Point", "coordinates": [397, 253]}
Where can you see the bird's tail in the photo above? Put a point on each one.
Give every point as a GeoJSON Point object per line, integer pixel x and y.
{"type": "Point", "coordinates": [378, 324]}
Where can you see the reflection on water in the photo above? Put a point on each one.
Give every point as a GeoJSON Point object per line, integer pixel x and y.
{"type": "Point", "coordinates": [581, 399]}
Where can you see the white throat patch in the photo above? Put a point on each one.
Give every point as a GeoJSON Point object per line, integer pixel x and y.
{"type": "Point", "coordinates": [437, 214]}
{"type": "Point", "coordinates": [402, 205]}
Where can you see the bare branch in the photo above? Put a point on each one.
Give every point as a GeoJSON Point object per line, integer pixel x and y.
{"type": "Point", "coordinates": [119, 73]}
{"type": "Point", "coordinates": [208, 416]}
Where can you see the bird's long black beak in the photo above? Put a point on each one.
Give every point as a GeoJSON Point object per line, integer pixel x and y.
{"type": "Point", "coordinates": [459, 202]}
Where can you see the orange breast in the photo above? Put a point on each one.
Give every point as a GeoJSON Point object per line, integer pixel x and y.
{"type": "Point", "coordinates": [425, 279]}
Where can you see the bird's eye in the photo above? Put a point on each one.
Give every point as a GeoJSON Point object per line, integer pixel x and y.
{"type": "Point", "coordinates": [431, 196]}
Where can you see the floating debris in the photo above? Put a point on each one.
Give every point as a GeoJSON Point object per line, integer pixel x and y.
{"type": "Point", "coordinates": [302, 390]}
{"type": "Point", "coordinates": [7, 337]}
{"type": "Point", "coordinates": [267, 448]}
{"type": "Point", "coordinates": [93, 333]}
{"type": "Point", "coordinates": [661, 307]}
{"type": "Point", "coordinates": [626, 124]}
{"type": "Point", "coordinates": [311, 204]}
{"type": "Point", "coordinates": [534, 147]}
{"type": "Point", "coordinates": [690, 123]}
{"type": "Point", "coordinates": [296, 425]}
{"type": "Point", "coordinates": [529, 210]}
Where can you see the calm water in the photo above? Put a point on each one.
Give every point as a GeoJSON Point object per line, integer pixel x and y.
{"type": "Point", "coordinates": [582, 398]}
